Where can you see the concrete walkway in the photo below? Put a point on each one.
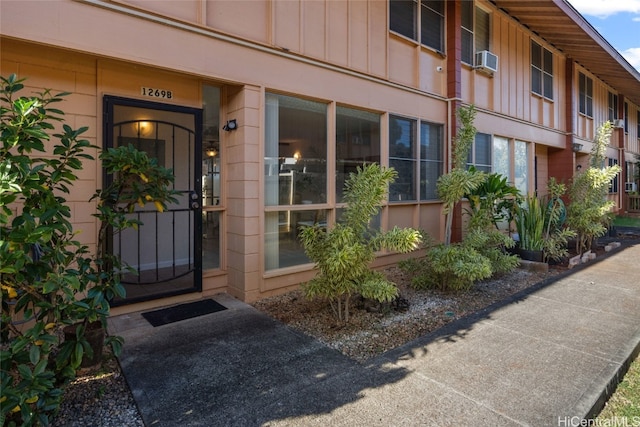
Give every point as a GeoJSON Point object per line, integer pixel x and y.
{"type": "Point", "coordinates": [543, 358]}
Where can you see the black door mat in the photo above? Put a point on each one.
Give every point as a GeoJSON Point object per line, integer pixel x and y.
{"type": "Point", "coordinates": [182, 312]}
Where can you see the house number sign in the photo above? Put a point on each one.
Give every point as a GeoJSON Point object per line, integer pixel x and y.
{"type": "Point", "coordinates": [152, 92]}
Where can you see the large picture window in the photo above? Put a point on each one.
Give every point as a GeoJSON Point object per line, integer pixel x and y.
{"type": "Point", "coordinates": [295, 151]}
{"type": "Point", "coordinates": [422, 21]}
{"type": "Point", "coordinates": [295, 174]}
{"type": "Point", "coordinates": [585, 95]}
{"type": "Point", "coordinates": [403, 158]}
{"type": "Point", "coordinates": [431, 159]}
{"type": "Point", "coordinates": [357, 143]}
{"type": "Point", "coordinates": [541, 71]}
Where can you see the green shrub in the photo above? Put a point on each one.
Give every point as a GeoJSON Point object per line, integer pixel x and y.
{"type": "Point", "coordinates": [497, 197]}
{"type": "Point", "coordinates": [456, 267]}
{"type": "Point", "coordinates": [342, 254]}
{"type": "Point", "coordinates": [48, 278]}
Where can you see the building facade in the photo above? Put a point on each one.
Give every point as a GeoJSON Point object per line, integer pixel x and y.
{"type": "Point", "coordinates": [262, 108]}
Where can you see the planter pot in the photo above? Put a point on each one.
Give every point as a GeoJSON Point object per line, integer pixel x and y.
{"type": "Point", "coordinates": [613, 231]}
{"type": "Point", "coordinates": [528, 255]}
{"type": "Point", "coordinates": [94, 334]}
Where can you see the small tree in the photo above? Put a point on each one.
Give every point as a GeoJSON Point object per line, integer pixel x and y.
{"type": "Point", "coordinates": [589, 209]}
{"type": "Point", "coordinates": [342, 254]}
{"type": "Point", "coordinates": [460, 181]}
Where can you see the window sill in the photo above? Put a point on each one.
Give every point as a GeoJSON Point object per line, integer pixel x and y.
{"type": "Point", "coordinates": [544, 98]}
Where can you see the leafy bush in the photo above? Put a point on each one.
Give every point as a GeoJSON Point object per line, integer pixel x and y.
{"type": "Point", "coordinates": [49, 279]}
{"type": "Point", "coordinates": [497, 197]}
{"type": "Point", "coordinates": [343, 253]}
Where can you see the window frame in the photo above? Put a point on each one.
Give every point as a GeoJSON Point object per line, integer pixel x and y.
{"type": "Point", "coordinates": [428, 191]}
{"type": "Point", "coordinates": [543, 69]}
{"type": "Point", "coordinates": [613, 186]}
{"type": "Point", "coordinates": [473, 153]}
{"type": "Point", "coordinates": [612, 106]}
{"type": "Point", "coordinates": [626, 117]}
{"type": "Point", "coordinates": [420, 12]}
{"type": "Point", "coordinates": [413, 158]}
{"type": "Point", "coordinates": [585, 95]}
{"type": "Point", "coordinates": [473, 36]}
{"type": "Point", "coordinates": [343, 114]}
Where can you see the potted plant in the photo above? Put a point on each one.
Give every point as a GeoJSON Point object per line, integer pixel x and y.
{"type": "Point", "coordinates": [529, 219]}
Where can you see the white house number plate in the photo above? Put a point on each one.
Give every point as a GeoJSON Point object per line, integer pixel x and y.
{"type": "Point", "coordinates": [152, 92]}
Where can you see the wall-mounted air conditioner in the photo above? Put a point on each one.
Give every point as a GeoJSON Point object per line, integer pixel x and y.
{"type": "Point", "coordinates": [618, 123]}
{"type": "Point", "coordinates": [486, 61]}
{"type": "Point", "coordinates": [630, 187]}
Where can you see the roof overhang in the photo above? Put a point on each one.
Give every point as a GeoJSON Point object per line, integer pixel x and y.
{"type": "Point", "coordinates": [558, 23]}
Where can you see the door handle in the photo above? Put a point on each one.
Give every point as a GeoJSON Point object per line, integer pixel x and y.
{"type": "Point", "coordinates": [194, 200]}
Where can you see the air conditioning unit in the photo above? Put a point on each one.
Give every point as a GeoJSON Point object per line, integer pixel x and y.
{"type": "Point", "coordinates": [618, 123]}
{"type": "Point", "coordinates": [630, 187]}
{"type": "Point", "coordinates": [486, 61]}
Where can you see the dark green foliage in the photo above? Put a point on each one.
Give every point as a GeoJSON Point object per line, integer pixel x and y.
{"type": "Point", "coordinates": [342, 254]}
{"type": "Point", "coordinates": [49, 279]}
{"type": "Point", "coordinates": [495, 196]}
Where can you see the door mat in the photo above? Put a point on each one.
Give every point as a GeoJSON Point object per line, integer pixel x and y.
{"type": "Point", "coordinates": [182, 312]}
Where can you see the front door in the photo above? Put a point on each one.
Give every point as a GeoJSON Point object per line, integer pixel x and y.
{"type": "Point", "coordinates": [166, 251]}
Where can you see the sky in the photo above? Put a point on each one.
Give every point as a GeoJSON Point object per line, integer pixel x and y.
{"type": "Point", "coordinates": [618, 21]}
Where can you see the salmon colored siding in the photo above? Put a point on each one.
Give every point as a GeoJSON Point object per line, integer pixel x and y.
{"type": "Point", "coordinates": [337, 53]}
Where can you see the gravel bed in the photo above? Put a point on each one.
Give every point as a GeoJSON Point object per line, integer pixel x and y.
{"type": "Point", "coordinates": [372, 331]}
{"type": "Point", "coordinates": [99, 397]}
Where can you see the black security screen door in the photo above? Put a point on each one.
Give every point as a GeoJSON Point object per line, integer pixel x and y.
{"type": "Point", "coordinates": [166, 250]}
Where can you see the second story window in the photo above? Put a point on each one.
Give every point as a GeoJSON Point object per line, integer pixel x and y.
{"type": "Point", "coordinates": [475, 31]}
{"type": "Point", "coordinates": [422, 21]}
{"type": "Point", "coordinates": [613, 107]}
{"type": "Point", "coordinates": [585, 93]}
{"type": "Point", "coordinates": [541, 71]}
{"type": "Point", "coordinates": [626, 117]}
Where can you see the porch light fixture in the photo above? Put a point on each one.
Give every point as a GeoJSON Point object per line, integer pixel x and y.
{"type": "Point", "coordinates": [230, 125]}
{"type": "Point", "coordinates": [578, 167]}
{"type": "Point", "coordinates": [211, 151]}
{"type": "Point", "coordinates": [576, 147]}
